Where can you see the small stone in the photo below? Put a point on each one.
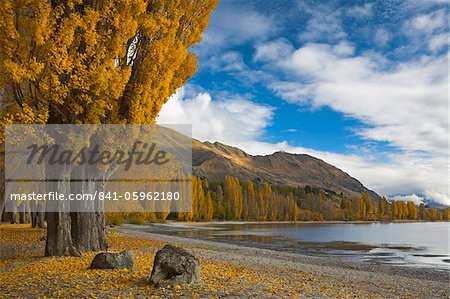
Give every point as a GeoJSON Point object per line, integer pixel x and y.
{"type": "Point", "coordinates": [109, 260]}
{"type": "Point", "coordinates": [175, 266]}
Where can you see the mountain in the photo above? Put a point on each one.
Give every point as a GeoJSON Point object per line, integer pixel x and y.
{"type": "Point", "coordinates": [214, 161]}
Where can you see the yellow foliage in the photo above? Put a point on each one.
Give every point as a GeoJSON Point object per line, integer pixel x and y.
{"type": "Point", "coordinates": [96, 61]}
{"type": "Point", "coordinates": [115, 218]}
{"type": "Point", "coordinates": [136, 218]}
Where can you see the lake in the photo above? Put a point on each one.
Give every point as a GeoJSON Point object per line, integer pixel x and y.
{"type": "Point", "coordinates": [419, 244]}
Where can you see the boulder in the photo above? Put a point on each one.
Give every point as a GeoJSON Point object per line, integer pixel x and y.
{"type": "Point", "coordinates": [175, 266]}
{"type": "Point", "coordinates": [110, 260]}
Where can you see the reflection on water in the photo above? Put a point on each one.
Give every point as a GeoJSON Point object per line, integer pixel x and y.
{"type": "Point", "coordinates": [412, 244]}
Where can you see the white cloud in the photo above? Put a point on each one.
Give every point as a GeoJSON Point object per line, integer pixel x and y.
{"type": "Point", "coordinates": [427, 23]}
{"type": "Point", "coordinates": [405, 105]}
{"type": "Point", "coordinates": [290, 130]}
{"type": "Point", "coordinates": [230, 61]}
{"type": "Point", "coordinates": [425, 32]}
{"type": "Point", "coordinates": [392, 102]}
{"type": "Point", "coordinates": [229, 120]}
{"type": "Point", "coordinates": [362, 11]}
{"type": "Point", "coordinates": [325, 23]}
{"type": "Point", "coordinates": [273, 51]}
{"type": "Point", "coordinates": [412, 197]}
{"type": "Point", "coordinates": [344, 49]}
{"type": "Point", "coordinates": [382, 37]}
{"type": "Point", "coordinates": [438, 42]}
{"type": "Point", "coordinates": [293, 92]}
{"type": "Point", "coordinates": [232, 24]}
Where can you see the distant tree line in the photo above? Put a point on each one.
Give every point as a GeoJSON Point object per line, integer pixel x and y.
{"type": "Point", "coordinates": [232, 199]}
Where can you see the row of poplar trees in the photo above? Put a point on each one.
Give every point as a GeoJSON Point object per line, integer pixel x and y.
{"type": "Point", "coordinates": [232, 199]}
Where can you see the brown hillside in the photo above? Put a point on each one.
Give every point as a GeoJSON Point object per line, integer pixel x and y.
{"type": "Point", "coordinates": [214, 161]}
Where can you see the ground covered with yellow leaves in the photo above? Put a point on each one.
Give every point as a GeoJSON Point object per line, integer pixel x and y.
{"type": "Point", "coordinates": [25, 273]}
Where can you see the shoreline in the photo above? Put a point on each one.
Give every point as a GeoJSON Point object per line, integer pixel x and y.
{"type": "Point", "coordinates": [391, 250]}
{"type": "Point", "coordinates": [367, 279]}
{"type": "Point", "coordinates": [206, 223]}
{"type": "Point", "coordinates": [426, 273]}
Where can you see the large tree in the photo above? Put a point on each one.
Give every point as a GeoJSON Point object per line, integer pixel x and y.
{"type": "Point", "coordinates": [93, 62]}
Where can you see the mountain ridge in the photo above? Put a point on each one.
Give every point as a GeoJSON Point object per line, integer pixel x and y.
{"type": "Point", "coordinates": [215, 161]}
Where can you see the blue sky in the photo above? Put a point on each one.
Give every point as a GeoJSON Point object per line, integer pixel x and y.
{"type": "Point", "coordinates": [362, 85]}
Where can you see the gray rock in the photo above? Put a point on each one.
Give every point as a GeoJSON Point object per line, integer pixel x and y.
{"type": "Point", "coordinates": [109, 260]}
{"type": "Point", "coordinates": [175, 266]}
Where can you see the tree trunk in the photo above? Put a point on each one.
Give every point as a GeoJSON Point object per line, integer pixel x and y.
{"type": "Point", "coordinates": [37, 219]}
{"type": "Point", "coordinates": [59, 238]}
{"type": "Point", "coordinates": [76, 232]}
{"type": "Point", "coordinates": [2, 206]}
{"type": "Point", "coordinates": [3, 216]}
{"type": "Point", "coordinates": [14, 216]}
{"type": "Point", "coordinates": [88, 227]}
{"type": "Point", "coordinates": [88, 231]}
{"type": "Point", "coordinates": [37, 214]}
{"type": "Point", "coordinates": [40, 221]}
{"type": "Point", "coordinates": [8, 217]}
{"type": "Point", "coordinates": [33, 219]}
{"type": "Point", "coordinates": [2, 192]}
{"type": "Point", "coordinates": [24, 214]}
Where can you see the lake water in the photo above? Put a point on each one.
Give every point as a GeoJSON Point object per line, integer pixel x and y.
{"type": "Point", "coordinates": [422, 244]}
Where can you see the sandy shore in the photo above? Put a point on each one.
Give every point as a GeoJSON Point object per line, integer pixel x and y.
{"type": "Point", "coordinates": [362, 279]}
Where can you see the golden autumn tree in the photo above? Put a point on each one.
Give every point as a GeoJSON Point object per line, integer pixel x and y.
{"type": "Point", "coordinates": [93, 62]}
{"type": "Point", "coordinates": [446, 215]}
{"type": "Point", "coordinates": [433, 214]}
{"type": "Point", "coordinates": [422, 211]}
{"type": "Point", "coordinates": [412, 210]}
{"type": "Point", "coordinates": [233, 193]}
